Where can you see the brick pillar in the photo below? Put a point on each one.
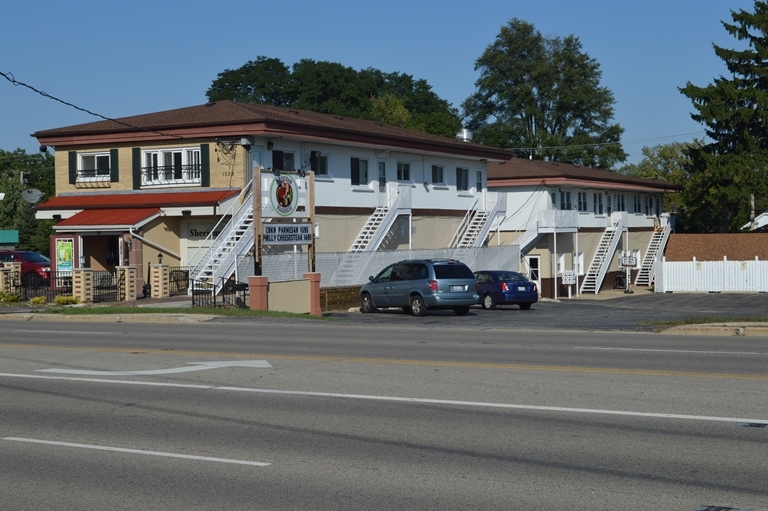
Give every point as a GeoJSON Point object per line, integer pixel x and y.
{"type": "Point", "coordinates": [315, 308]}
{"type": "Point", "coordinates": [160, 280]}
{"type": "Point", "coordinates": [258, 286]}
{"type": "Point", "coordinates": [5, 276]}
{"type": "Point", "coordinates": [130, 281]}
{"type": "Point", "coordinates": [82, 284]}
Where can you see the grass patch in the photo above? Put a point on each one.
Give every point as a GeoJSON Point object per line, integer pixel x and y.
{"type": "Point", "coordinates": [704, 320]}
{"type": "Point", "coordinates": [246, 313]}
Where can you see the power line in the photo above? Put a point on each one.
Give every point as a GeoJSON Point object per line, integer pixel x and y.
{"type": "Point", "coordinates": [14, 81]}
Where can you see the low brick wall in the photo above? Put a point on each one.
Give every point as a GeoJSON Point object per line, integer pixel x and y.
{"type": "Point", "coordinates": [339, 298]}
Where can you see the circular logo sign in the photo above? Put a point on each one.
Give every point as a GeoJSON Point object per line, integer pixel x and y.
{"type": "Point", "coordinates": [284, 195]}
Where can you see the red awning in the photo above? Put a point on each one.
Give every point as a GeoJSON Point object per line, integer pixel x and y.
{"type": "Point", "coordinates": [108, 219]}
{"type": "Point", "coordinates": [138, 200]}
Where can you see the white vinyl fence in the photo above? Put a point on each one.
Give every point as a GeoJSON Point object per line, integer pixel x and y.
{"type": "Point", "coordinates": [341, 269]}
{"type": "Point", "coordinates": [712, 276]}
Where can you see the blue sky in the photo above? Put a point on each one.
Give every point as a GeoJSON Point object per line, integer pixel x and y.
{"type": "Point", "coordinates": [128, 58]}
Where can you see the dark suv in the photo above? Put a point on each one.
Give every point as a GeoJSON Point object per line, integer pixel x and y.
{"type": "Point", "coordinates": [421, 284]}
{"type": "Point", "coordinates": [35, 268]}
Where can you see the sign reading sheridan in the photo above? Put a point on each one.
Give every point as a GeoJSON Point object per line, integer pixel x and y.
{"type": "Point", "coordinates": [287, 234]}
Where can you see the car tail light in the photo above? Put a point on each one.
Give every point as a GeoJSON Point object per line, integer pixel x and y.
{"type": "Point", "coordinates": [535, 288]}
{"type": "Point", "coordinates": [433, 285]}
{"type": "Point", "coordinates": [504, 287]}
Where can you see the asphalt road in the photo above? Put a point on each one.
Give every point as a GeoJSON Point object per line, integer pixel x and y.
{"type": "Point", "coordinates": [346, 417]}
{"type": "Point", "coordinates": [631, 312]}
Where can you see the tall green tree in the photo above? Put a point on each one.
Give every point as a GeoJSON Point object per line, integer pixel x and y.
{"type": "Point", "coordinates": [726, 174]}
{"type": "Point", "coordinates": [332, 88]}
{"type": "Point", "coordinates": [667, 163]}
{"type": "Point", "coordinates": [20, 171]}
{"type": "Point", "coordinates": [543, 96]}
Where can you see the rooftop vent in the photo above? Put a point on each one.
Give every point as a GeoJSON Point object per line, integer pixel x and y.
{"type": "Point", "coordinates": [464, 134]}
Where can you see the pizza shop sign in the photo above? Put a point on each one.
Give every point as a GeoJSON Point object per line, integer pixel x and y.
{"type": "Point", "coordinates": [287, 234]}
{"type": "Point", "coordinates": [281, 195]}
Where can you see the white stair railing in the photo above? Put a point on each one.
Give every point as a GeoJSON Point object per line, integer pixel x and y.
{"type": "Point", "coordinates": [655, 248]}
{"type": "Point", "coordinates": [381, 220]}
{"type": "Point", "coordinates": [226, 240]}
{"type": "Point", "coordinates": [601, 261]}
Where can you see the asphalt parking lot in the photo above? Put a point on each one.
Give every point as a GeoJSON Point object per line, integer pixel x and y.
{"type": "Point", "coordinates": [612, 311]}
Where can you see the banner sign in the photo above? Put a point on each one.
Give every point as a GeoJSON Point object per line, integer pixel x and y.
{"type": "Point", "coordinates": [281, 196]}
{"type": "Point", "coordinates": [287, 234]}
{"type": "Point", "coordinates": [65, 254]}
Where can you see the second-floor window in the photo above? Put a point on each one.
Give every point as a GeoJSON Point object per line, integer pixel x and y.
{"type": "Point", "coordinates": [581, 201]}
{"type": "Point", "coordinates": [565, 201]}
{"type": "Point", "coordinates": [318, 163]}
{"type": "Point", "coordinates": [620, 206]}
{"type": "Point", "coordinates": [462, 179]}
{"type": "Point", "coordinates": [597, 203]}
{"type": "Point", "coordinates": [94, 167]}
{"type": "Point", "coordinates": [403, 171]}
{"type": "Point", "coordinates": [283, 160]}
{"type": "Point", "coordinates": [437, 174]}
{"type": "Point", "coordinates": [171, 167]}
{"type": "Point", "coordinates": [637, 206]}
{"type": "Point", "coordinates": [359, 171]}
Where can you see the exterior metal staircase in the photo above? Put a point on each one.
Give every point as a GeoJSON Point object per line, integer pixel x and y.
{"type": "Point", "coordinates": [601, 261]}
{"type": "Point", "coordinates": [655, 249]}
{"type": "Point", "coordinates": [381, 220]}
{"type": "Point", "coordinates": [236, 237]}
{"type": "Point", "coordinates": [474, 228]}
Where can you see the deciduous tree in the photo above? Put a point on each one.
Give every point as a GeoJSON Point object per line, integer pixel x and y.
{"type": "Point", "coordinates": [543, 96]}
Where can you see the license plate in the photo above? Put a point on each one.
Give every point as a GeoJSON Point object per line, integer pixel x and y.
{"type": "Point", "coordinates": [521, 288]}
{"type": "Point", "coordinates": [457, 288]}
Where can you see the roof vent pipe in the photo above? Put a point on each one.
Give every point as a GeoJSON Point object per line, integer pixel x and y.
{"type": "Point", "coordinates": [464, 134]}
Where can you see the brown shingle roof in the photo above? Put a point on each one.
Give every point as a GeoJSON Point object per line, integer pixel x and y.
{"type": "Point", "coordinates": [713, 247]}
{"type": "Point", "coordinates": [249, 118]}
{"type": "Point", "coordinates": [523, 169]}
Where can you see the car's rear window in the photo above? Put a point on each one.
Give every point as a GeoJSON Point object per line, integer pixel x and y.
{"type": "Point", "coordinates": [453, 271]}
{"type": "Point", "coordinates": [34, 257]}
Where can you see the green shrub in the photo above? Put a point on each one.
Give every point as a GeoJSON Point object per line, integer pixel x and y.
{"type": "Point", "coordinates": [9, 298]}
{"type": "Point", "coordinates": [38, 300]}
{"type": "Point", "coordinates": [66, 300]}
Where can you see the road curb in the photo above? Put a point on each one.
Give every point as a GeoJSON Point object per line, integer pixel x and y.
{"type": "Point", "coordinates": [723, 329]}
{"type": "Point", "coordinates": [113, 318]}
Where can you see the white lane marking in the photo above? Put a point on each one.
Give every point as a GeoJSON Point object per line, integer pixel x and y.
{"type": "Point", "coordinates": [59, 332]}
{"type": "Point", "coordinates": [671, 351]}
{"type": "Point", "coordinates": [410, 400]}
{"type": "Point", "coordinates": [193, 366]}
{"type": "Point", "coordinates": [139, 451]}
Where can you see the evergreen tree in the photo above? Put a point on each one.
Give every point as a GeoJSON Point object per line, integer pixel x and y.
{"type": "Point", "coordinates": [543, 96]}
{"type": "Point", "coordinates": [726, 173]}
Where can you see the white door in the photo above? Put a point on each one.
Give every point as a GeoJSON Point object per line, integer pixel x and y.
{"type": "Point", "coordinates": [534, 269]}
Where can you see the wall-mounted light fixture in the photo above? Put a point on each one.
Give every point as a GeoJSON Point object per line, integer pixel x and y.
{"type": "Point", "coordinates": [270, 145]}
{"type": "Point", "coordinates": [82, 261]}
{"type": "Point", "coordinates": [159, 258]}
{"type": "Point", "coordinates": [43, 149]}
{"type": "Point", "coordinates": [186, 212]}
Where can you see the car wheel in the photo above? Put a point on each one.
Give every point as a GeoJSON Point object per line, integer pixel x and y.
{"type": "Point", "coordinates": [366, 303]}
{"type": "Point", "coordinates": [461, 311]}
{"type": "Point", "coordinates": [525, 306]}
{"type": "Point", "coordinates": [417, 306]}
{"type": "Point", "coordinates": [488, 302]}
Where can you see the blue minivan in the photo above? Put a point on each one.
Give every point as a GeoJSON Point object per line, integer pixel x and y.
{"type": "Point", "coordinates": [419, 285]}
